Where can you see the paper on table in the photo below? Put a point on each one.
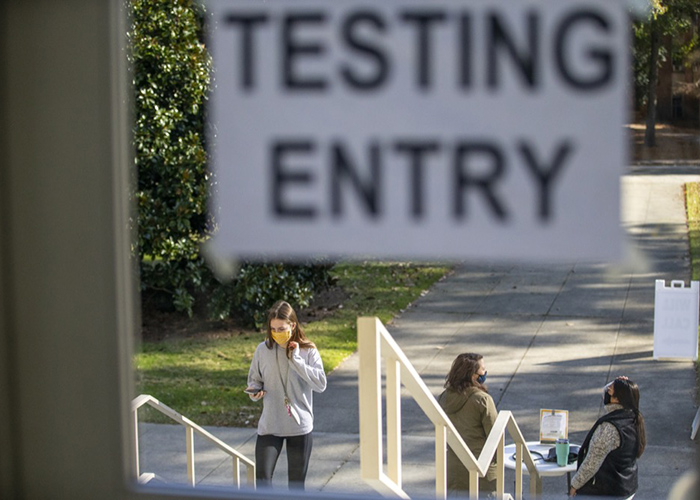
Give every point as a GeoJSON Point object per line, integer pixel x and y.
{"type": "Point", "coordinates": [554, 424]}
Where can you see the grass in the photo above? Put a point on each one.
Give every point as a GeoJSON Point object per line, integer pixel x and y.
{"type": "Point", "coordinates": [203, 378]}
{"type": "Point", "coordinates": [692, 207]}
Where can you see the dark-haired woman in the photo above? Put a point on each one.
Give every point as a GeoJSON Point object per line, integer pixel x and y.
{"type": "Point", "coordinates": [471, 409]}
{"type": "Point", "coordinates": [607, 461]}
{"type": "Point", "coordinates": [285, 371]}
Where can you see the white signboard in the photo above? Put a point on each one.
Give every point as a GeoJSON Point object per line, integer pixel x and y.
{"type": "Point", "coordinates": [676, 320]}
{"type": "Point", "coordinates": [424, 129]}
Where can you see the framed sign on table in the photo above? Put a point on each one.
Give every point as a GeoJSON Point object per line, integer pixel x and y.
{"type": "Point", "coordinates": [554, 424]}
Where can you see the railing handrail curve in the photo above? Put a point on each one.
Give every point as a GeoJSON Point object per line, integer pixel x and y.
{"type": "Point", "coordinates": [144, 399]}
{"type": "Point", "coordinates": [373, 342]}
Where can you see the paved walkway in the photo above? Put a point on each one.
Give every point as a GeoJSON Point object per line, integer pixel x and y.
{"type": "Point", "coordinates": [551, 335]}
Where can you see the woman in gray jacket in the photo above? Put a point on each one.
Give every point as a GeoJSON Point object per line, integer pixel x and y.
{"type": "Point", "coordinates": [473, 413]}
{"type": "Point", "coordinates": [285, 370]}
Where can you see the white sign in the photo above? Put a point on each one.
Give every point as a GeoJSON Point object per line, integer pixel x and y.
{"type": "Point", "coordinates": [676, 320]}
{"type": "Point", "coordinates": [554, 424]}
{"type": "Point", "coordinates": [425, 129]}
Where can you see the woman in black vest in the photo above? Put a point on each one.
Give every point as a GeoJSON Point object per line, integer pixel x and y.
{"type": "Point", "coordinates": [607, 461]}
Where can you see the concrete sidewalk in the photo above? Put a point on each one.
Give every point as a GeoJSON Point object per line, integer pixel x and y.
{"type": "Point", "coordinates": [551, 335]}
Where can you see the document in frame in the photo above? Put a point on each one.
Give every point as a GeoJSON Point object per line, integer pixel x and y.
{"type": "Point", "coordinates": [554, 424]}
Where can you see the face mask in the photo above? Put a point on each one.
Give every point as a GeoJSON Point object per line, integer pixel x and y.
{"type": "Point", "coordinates": [606, 395]}
{"type": "Point", "coordinates": [282, 337]}
{"type": "Point", "coordinates": [482, 378]}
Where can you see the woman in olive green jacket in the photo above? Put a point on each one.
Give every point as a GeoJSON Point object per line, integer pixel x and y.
{"type": "Point", "coordinates": [472, 411]}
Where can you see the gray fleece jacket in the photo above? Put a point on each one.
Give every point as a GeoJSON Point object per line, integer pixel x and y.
{"type": "Point", "coordinates": [302, 374]}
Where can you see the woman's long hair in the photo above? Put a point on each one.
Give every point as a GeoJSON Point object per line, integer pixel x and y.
{"type": "Point", "coordinates": [627, 393]}
{"type": "Point", "coordinates": [461, 374]}
{"type": "Point", "coordinates": [282, 310]}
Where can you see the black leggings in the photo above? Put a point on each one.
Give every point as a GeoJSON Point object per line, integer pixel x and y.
{"type": "Point", "coordinates": [267, 451]}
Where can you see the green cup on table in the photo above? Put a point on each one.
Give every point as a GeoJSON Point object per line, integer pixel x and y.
{"type": "Point", "coordinates": [562, 446]}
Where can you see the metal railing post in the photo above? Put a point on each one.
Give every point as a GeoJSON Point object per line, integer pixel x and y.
{"type": "Point", "coordinates": [440, 462]}
{"type": "Point", "coordinates": [535, 486]}
{"type": "Point", "coordinates": [473, 485]}
{"type": "Point", "coordinates": [370, 403]}
{"type": "Point", "coordinates": [190, 454]}
{"type": "Point", "coordinates": [393, 419]}
{"type": "Point", "coordinates": [519, 471]}
{"type": "Point", "coordinates": [137, 464]}
{"type": "Point", "coordinates": [500, 467]}
{"type": "Point", "coordinates": [237, 472]}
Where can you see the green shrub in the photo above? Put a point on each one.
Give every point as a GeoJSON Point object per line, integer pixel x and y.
{"type": "Point", "coordinates": [259, 286]}
{"type": "Point", "coordinates": [171, 80]}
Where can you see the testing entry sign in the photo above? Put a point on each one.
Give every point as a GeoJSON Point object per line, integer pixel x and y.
{"type": "Point", "coordinates": [420, 129]}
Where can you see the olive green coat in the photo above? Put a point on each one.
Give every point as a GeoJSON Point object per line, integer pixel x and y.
{"type": "Point", "coordinates": [473, 414]}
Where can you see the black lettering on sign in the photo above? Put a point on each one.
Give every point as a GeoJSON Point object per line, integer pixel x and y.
{"type": "Point", "coordinates": [526, 59]}
{"type": "Point", "coordinates": [368, 48]}
{"type": "Point", "coordinates": [344, 170]}
{"type": "Point", "coordinates": [417, 151]}
{"type": "Point", "coordinates": [247, 22]}
{"type": "Point", "coordinates": [356, 174]}
{"type": "Point", "coordinates": [603, 56]}
{"type": "Point", "coordinates": [545, 174]}
{"type": "Point", "coordinates": [465, 51]}
{"type": "Point", "coordinates": [464, 180]}
{"type": "Point", "coordinates": [283, 178]}
{"type": "Point", "coordinates": [353, 48]}
{"type": "Point", "coordinates": [424, 21]}
{"type": "Point", "coordinates": [294, 49]}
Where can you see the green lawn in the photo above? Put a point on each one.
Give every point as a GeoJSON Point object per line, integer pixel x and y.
{"type": "Point", "coordinates": [203, 379]}
{"type": "Point", "coordinates": [692, 200]}
{"type": "Point", "coordinates": [692, 207]}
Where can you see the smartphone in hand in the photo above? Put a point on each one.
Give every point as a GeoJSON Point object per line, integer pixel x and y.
{"type": "Point", "coordinates": [251, 390]}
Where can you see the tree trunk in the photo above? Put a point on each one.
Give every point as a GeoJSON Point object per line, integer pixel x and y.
{"type": "Point", "coordinates": [650, 132]}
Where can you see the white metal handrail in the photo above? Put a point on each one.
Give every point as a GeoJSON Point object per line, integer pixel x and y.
{"type": "Point", "coordinates": [374, 344]}
{"type": "Point", "coordinates": [190, 428]}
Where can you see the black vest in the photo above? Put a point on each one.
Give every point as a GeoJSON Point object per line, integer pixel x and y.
{"type": "Point", "coordinates": [617, 475]}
